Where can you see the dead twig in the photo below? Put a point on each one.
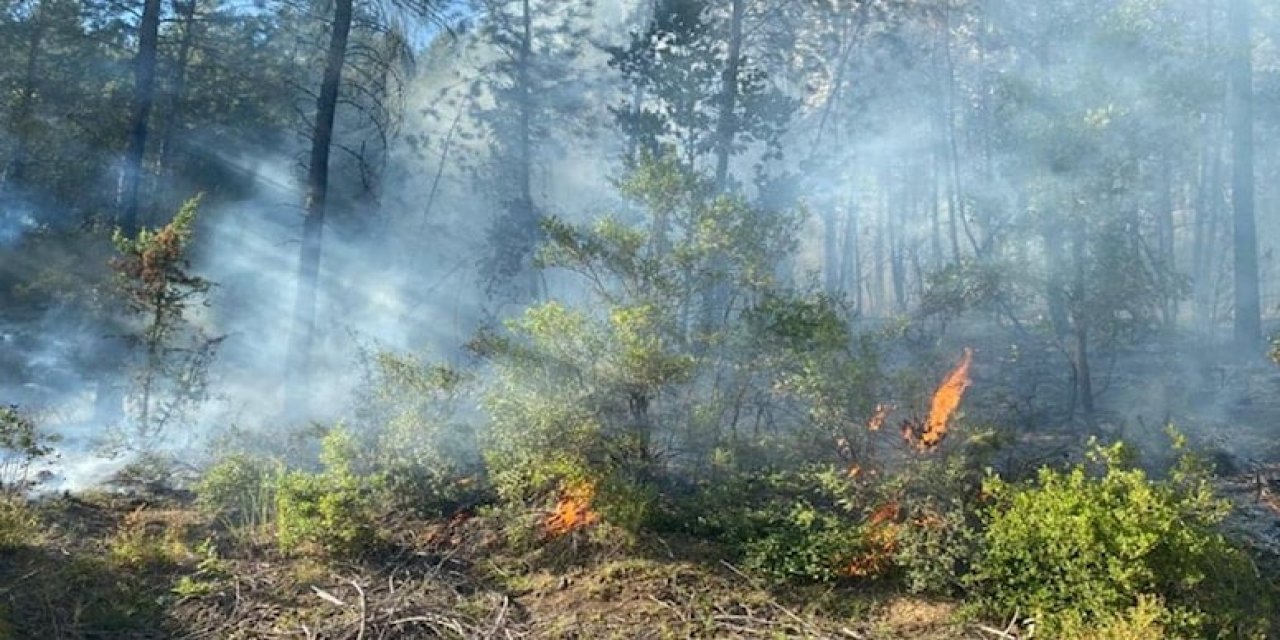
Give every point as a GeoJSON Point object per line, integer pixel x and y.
{"type": "Point", "coordinates": [364, 610]}
{"type": "Point", "coordinates": [498, 620]}
{"type": "Point", "coordinates": [328, 597]}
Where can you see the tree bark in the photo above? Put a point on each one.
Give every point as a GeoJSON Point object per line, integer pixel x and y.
{"type": "Point", "coordinates": [727, 125]}
{"type": "Point", "coordinates": [1248, 314]}
{"type": "Point", "coordinates": [313, 223]}
{"type": "Point", "coordinates": [830, 254]}
{"type": "Point", "coordinates": [144, 81]}
{"type": "Point", "coordinates": [525, 170]}
{"type": "Point", "coordinates": [15, 172]}
{"type": "Point", "coordinates": [173, 119]}
{"type": "Point", "coordinates": [1168, 267]}
{"type": "Point", "coordinates": [1080, 324]}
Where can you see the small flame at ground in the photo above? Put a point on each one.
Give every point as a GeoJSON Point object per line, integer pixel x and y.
{"type": "Point", "coordinates": [881, 543]}
{"type": "Point", "coordinates": [881, 414]}
{"type": "Point", "coordinates": [573, 510]}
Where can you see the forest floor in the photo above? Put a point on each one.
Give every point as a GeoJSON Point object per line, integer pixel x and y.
{"type": "Point", "coordinates": [115, 566]}
{"type": "Point", "coordinates": [146, 564]}
{"type": "Point", "coordinates": [131, 566]}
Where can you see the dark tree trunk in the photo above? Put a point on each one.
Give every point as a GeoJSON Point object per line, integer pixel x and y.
{"type": "Point", "coordinates": [317, 194]}
{"type": "Point", "coordinates": [1168, 267]}
{"type": "Point", "coordinates": [15, 173]}
{"type": "Point", "coordinates": [830, 253]}
{"type": "Point", "coordinates": [727, 125]}
{"type": "Point", "coordinates": [524, 176]}
{"type": "Point", "coordinates": [851, 263]}
{"type": "Point", "coordinates": [1083, 394]}
{"type": "Point", "coordinates": [1248, 314]}
{"type": "Point", "coordinates": [173, 119]}
{"type": "Point", "coordinates": [144, 82]}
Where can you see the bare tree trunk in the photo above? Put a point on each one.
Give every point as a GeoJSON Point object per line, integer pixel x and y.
{"type": "Point", "coordinates": [313, 223]}
{"type": "Point", "coordinates": [1080, 324]}
{"type": "Point", "coordinates": [830, 254]}
{"type": "Point", "coordinates": [897, 266]}
{"type": "Point", "coordinates": [15, 172]}
{"type": "Point", "coordinates": [935, 214]}
{"type": "Point", "coordinates": [876, 291]}
{"type": "Point", "coordinates": [173, 118]}
{"type": "Point", "coordinates": [851, 263]}
{"type": "Point", "coordinates": [1168, 267]}
{"type": "Point", "coordinates": [525, 175]}
{"type": "Point", "coordinates": [727, 125]}
{"type": "Point", "coordinates": [144, 78]}
{"type": "Point", "coordinates": [956, 213]}
{"type": "Point", "coordinates": [1248, 313]}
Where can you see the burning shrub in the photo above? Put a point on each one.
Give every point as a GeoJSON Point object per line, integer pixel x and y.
{"type": "Point", "coordinates": [1072, 546]}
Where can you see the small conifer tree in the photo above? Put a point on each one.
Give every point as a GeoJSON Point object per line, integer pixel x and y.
{"type": "Point", "coordinates": [153, 274]}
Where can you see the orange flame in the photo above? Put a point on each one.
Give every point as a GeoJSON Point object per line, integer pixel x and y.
{"type": "Point", "coordinates": [881, 543]}
{"type": "Point", "coordinates": [880, 415]}
{"type": "Point", "coordinates": [573, 510]}
{"type": "Point", "coordinates": [945, 402]}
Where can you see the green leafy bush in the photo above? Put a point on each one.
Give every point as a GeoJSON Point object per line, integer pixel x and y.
{"type": "Point", "coordinates": [1142, 621]}
{"type": "Point", "coordinates": [1076, 548]}
{"type": "Point", "coordinates": [813, 524]}
{"type": "Point", "coordinates": [424, 457]}
{"type": "Point", "coordinates": [935, 547]}
{"type": "Point", "coordinates": [807, 543]}
{"type": "Point", "coordinates": [329, 511]}
{"type": "Point", "coordinates": [241, 490]}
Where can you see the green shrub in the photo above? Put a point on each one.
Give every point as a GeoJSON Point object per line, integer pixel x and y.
{"type": "Point", "coordinates": [18, 523]}
{"type": "Point", "coordinates": [1075, 548]}
{"type": "Point", "coordinates": [813, 524]}
{"type": "Point", "coordinates": [935, 547]}
{"type": "Point", "coordinates": [425, 458]}
{"type": "Point", "coordinates": [329, 511]}
{"type": "Point", "coordinates": [938, 540]}
{"type": "Point", "coordinates": [807, 544]}
{"type": "Point", "coordinates": [241, 490]}
{"type": "Point", "coordinates": [1140, 622]}
{"type": "Point", "coordinates": [209, 576]}
{"type": "Point", "coordinates": [22, 446]}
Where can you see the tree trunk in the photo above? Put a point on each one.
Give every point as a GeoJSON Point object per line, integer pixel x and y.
{"type": "Point", "coordinates": [525, 170]}
{"type": "Point", "coordinates": [23, 115]}
{"type": "Point", "coordinates": [727, 125]}
{"type": "Point", "coordinates": [173, 118]}
{"type": "Point", "coordinates": [830, 254]}
{"type": "Point", "coordinates": [1080, 324]}
{"type": "Point", "coordinates": [851, 263]}
{"type": "Point", "coordinates": [144, 81]}
{"type": "Point", "coordinates": [955, 201]}
{"type": "Point", "coordinates": [317, 194]}
{"type": "Point", "coordinates": [1168, 267]}
{"type": "Point", "coordinates": [1248, 315]}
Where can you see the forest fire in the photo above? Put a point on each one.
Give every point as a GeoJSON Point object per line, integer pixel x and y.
{"type": "Point", "coordinates": [880, 543]}
{"type": "Point", "coordinates": [946, 400]}
{"type": "Point", "coordinates": [573, 510]}
{"type": "Point", "coordinates": [881, 414]}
